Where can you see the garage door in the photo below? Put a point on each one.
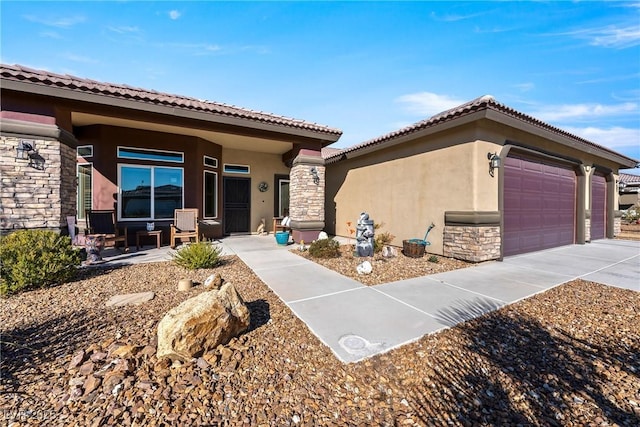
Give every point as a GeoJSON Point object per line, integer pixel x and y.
{"type": "Point", "coordinates": [539, 205]}
{"type": "Point", "coordinates": [598, 206]}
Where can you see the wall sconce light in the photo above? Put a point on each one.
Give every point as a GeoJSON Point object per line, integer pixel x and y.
{"type": "Point", "coordinates": [621, 185]}
{"type": "Point", "coordinates": [314, 174]}
{"type": "Point", "coordinates": [24, 148]}
{"type": "Point", "coordinates": [494, 162]}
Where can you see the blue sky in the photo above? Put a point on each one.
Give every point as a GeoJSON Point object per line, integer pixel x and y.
{"type": "Point", "coordinates": [367, 68]}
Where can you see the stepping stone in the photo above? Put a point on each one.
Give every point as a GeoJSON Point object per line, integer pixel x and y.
{"type": "Point", "coordinates": [129, 299]}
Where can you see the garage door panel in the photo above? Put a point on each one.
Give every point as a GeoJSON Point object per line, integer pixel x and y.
{"type": "Point", "coordinates": [539, 205]}
{"type": "Point", "coordinates": [598, 206]}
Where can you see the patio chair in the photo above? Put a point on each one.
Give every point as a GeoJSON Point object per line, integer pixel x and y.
{"type": "Point", "coordinates": [103, 223]}
{"type": "Point", "coordinates": [185, 225]}
{"type": "Point", "coordinates": [281, 223]}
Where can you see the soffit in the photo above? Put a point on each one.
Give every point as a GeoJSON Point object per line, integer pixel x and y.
{"type": "Point", "coordinates": [226, 140]}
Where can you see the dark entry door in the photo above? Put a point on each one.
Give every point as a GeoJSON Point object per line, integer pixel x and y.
{"type": "Point", "coordinates": [598, 207]}
{"type": "Point", "coordinates": [539, 205]}
{"type": "Point", "coordinates": [237, 204]}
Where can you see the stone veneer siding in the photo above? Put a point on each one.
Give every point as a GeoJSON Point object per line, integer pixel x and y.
{"type": "Point", "coordinates": [32, 198]}
{"type": "Point", "coordinates": [617, 224]}
{"type": "Point", "coordinates": [587, 229]}
{"type": "Point", "coordinates": [474, 243]}
{"type": "Point", "coordinates": [306, 198]}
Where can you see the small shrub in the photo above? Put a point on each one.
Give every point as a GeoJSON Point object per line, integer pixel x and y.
{"type": "Point", "coordinates": [632, 214]}
{"type": "Point", "coordinates": [197, 255]}
{"type": "Point", "coordinates": [433, 258]}
{"type": "Point", "coordinates": [324, 248]}
{"type": "Point", "coordinates": [35, 259]}
{"type": "Point", "coordinates": [381, 240]}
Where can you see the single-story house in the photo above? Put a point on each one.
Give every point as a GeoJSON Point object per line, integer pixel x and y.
{"type": "Point", "coordinates": [494, 182]}
{"type": "Point", "coordinates": [629, 190]}
{"type": "Point", "coordinates": [70, 144]}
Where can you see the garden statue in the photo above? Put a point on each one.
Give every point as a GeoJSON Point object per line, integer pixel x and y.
{"type": "Point", "coordinates": [94, 244]}
{"type": "Point", "coordinates": [364, 236]}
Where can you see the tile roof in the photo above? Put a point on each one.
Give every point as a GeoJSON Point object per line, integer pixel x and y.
{"type": "Point", "coordinates": [630, 179]}
{"type": "Point", "coordinates": [329, 151]}
{"type": "Point", "coordinates": [482, 103]}
{"type": "Point", "coordinates": [121, 91]}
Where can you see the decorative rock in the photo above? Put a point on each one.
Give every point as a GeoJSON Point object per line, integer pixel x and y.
{"type": "Point", "coordinates": [214, 281]}
{"type": "Point", "coordinates": [323, 236]}
{"type": "Point", "coordinates": [90, 384]}
{"type": "Point", "coordinates": [185, 285]}
{"type": "Point", "coordinates": [128, 299]}
{"type": "Point", "coordinates": [365, 268]}
{"type": "Point", "coordinates": [389, 252]}
{"type": "Point", "coordinates": [202, 323]}
{"type": "Point", "coordinates": [76, 360]}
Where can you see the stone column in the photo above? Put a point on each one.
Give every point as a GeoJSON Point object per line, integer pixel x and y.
{"type": "Point", "coordinates": [472, 236]}
{"type": "Point", "coordinates": [37, 194]}
{"type": "Point", "coordinates": [306, 195]}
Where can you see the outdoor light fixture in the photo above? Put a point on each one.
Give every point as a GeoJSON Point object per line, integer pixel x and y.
{"type": "Point", "coordinates": [494, 162]}
{"type": "Point", "coordinates": [314, 174]}
{"type": "Point", "coordinates": [24, 148]}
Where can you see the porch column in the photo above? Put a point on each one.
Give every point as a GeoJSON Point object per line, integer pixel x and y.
{"type": "Point", "coordinates": [306, 195]}
{"type": "Point", "coordinates": [39, 191]}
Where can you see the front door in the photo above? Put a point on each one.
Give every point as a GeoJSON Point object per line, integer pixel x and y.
{"type": "Point", "coordinates": [237, 204]}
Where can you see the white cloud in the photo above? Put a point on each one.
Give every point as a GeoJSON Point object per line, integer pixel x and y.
{"type": "Point", "coordinates": [611, 36]}
{"type": "Point", "coordinates": [525, 87]}
{"type": "Point", "coordinates": [614, 138]}
{"type": "Point", "coordinates": [51, 35]}
{"type": "Point", "coordinates": [174, 14]}
{"type": "Point", "coordinates": [123, 29]}
{"type": "Point", "coordinates": [428, 103]}
{"type": "Point", "coordinates": [583, 111]}
{"type": "Point", "coordinates": [58, 22]}
{"type": "Point", "coordinates": [452, 17]}
{"type": "Point", "coordinates": [79, 58]}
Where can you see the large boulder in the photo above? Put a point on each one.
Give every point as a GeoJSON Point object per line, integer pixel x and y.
{"type": "Point", "coordinates": [202, 323]}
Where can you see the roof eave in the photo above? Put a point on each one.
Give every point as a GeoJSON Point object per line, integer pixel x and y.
{"type": "Point", "coordinates": [400, 139]}
{"type": "Point", "coordinates": [112, 101]}
{"type": "Point", "coordinates": [549, 132]}
{"type": "Point", "coordinates": [489, 112]}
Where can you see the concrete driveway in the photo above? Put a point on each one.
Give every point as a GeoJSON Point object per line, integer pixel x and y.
{"type": "Point", "coordinates": [358, 321]}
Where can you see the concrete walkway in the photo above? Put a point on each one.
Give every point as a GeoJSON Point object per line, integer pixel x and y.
{"type": "Point", "coordinates": [358, 321]}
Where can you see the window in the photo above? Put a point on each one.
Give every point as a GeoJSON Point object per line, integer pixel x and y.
{"type": "Point", "coordinates": [84, 172]}
{"type": "Point", "coordinates": [210, 194]}
{"type": "Point", "coordinates": [282, 195]}
{"type": "Point", "coordinates": [145, 154]}
{"type": "Point", "coordinates": [84, 151]}
{"type": "Point", "coordinates": [210, 161]}
{"type": "Point", "coordinates": [149, 192]}
{"type": "Point", "coordinates": [230, 168]}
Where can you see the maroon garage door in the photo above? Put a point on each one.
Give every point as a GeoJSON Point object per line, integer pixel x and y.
{"type": "Point", "coordinates": [598, 206]}
{"type": "Point", "coordinates": [539, 205]}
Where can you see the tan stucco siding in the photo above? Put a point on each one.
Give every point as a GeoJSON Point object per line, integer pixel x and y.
{"type": "Point", "coordinates": [263, 167]}
{"type": "Point", "coordinates": [410, 187]}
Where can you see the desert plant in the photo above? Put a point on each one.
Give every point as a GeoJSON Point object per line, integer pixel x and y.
{"type": "Point", "coordinates": [433, 258]}
{"type": "Point", "coordinates": [381, 240]}
{"type": "Point", "coordinates": [197, 255]}
{"type": "Point", "coordinates": [35, 259]}
{"type": "Point", "coordinates": [324, 248]}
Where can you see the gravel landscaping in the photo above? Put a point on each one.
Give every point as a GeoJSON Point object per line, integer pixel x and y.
{"type": "Point", "coordinates": [569, 356]}
{"type": "Point", "coordinates": [385, 270]}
